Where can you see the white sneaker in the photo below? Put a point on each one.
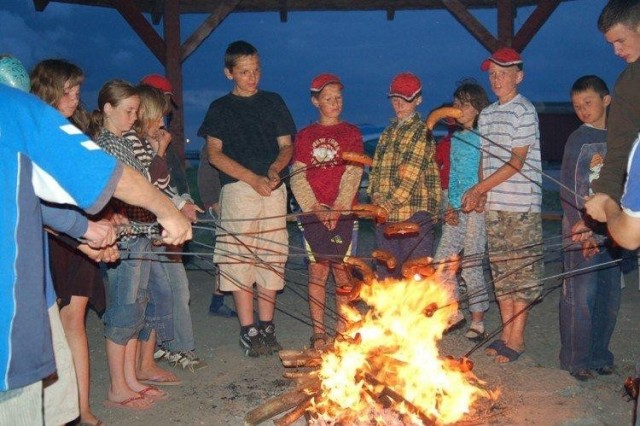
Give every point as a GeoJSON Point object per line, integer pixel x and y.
{"type": "Point", "coordinates": [161, 354]}
{"type": "Point", "coordinates": [186, 360]}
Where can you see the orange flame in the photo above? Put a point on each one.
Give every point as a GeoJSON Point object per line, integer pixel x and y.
{"type": "Point", "coordinates": [393, 348]}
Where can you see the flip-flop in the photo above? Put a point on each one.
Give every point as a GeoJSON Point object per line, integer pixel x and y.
{"type": "Point", "coordinates": [158, 397]}
{"type": "Point", "coordinates": [510, 354]}
{"type": "Point", "coordinates": [125, 404]}
{"type": "Point", "coordinates": [496, 345]}
{"type": "Point", "coordinates": [160, 381]}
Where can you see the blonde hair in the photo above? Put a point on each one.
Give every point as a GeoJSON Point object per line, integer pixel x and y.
{"type": "Point", "coordinates": [112, 92]}
{"type": "Point", "coordinates": [153, 106]}
{"type": "Point", "coordinates": [48, 80]}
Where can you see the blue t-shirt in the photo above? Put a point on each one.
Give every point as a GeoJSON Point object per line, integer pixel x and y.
{"type": "Point", "coordinates": [42, 157]}
{"type": "Point", "coordinates": [631, 198]}
{"type": "Point", "coordinates": [464, 159]}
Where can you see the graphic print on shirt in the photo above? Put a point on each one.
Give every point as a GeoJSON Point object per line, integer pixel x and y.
{"type": "Point", "coordinates": [324, 153]}
{"type": "Point", "coordinates": [595, 165]}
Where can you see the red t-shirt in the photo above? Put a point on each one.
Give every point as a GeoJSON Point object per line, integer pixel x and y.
{"type": "Point", "coordinates": [443, 149]}
{"type": "Point", "coordinates": [320, 148]}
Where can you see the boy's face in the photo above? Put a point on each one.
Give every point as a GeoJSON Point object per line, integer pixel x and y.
{"type": "Point", "coordinates": [405, 109]}
{"type": "Point", "coordinates": [329, 102]}
{"type": "Point", "coordinates": [625, 42]}
{"type": "Point", "coordinates": [245, 74]}
{"type": "Point", "coordinates": [504, 81]}
{"type": "Point", "coordinates": [590, 107]}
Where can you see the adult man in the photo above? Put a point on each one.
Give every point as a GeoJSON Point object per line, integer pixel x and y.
{"type": "Point", "coordinates": [45, 157]}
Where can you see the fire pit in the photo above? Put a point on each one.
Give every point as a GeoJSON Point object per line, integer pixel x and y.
{"type": "Point", "coordinates": [385, 368]}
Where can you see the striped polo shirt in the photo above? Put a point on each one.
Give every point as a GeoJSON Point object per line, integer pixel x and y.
{"type": "Point", "coordinates": [504, 127]}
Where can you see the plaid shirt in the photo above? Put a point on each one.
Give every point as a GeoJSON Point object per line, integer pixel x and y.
{"type": "Point", "coordinates": [122, 149]}
{"type": "Point", "coordinates": [403, 146]}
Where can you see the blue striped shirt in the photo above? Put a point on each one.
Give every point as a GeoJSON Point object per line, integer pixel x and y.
{"type": "Point", "coordinates": [504, 127]}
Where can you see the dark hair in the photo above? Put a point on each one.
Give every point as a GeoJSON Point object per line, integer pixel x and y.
{"type": "Point", "coordinates": [470, 91]}
{"type": "Point", "coordinates": [48, 80]}
{"type": "Point", "coordinates": [236, 50]}
{"type": "Point", "coordinates": [587, 82]}
{"type": "Point", "coordinates": [625, 12]}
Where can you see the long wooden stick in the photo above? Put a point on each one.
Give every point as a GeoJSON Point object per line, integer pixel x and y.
{"type": "Point", "coordinates": [277, 405]}
{"type": "Point", "coordinates": [294, 414]}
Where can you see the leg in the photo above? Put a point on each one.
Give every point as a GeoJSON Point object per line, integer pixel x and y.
{"type": "Point", "coordinates": [146, 367]}
{"type": "Point", "coordinates": [73, 322]}
{"type": "Point", "coordinates": [119, 389]}
{"type": "Point", "coordinates": [318, 273]}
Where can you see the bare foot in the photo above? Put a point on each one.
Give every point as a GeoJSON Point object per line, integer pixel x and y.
{"type": "Point", "coordinates": [89, 418]}
{"type": "Point", "coordinates": [153, 372]}
{"type": "Point", "coordinates": [128, 399]}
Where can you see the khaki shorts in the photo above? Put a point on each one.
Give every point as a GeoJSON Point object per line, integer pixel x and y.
{"type": "Point", "coordinates": [22, 406]}
{"type": "Point", "coordinates": [61, 395]}
{"type": "Point", "coordinates": [252, 238]}
{"type": "Point", "coordinates": [515, 254]}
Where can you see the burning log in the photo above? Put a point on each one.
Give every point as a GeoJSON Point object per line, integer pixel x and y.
{"type": "Point", "coordinates": [306, 358]}
{"type": "Point", "coordinates": [282, 403]}
{"type": "Point", "coordinates": [294, 414]}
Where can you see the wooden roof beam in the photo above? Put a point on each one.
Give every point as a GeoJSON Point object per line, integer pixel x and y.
{"type": "Point", "coordinates": [157, 10]}
{"type": "Point", "coordinates": [533, 24]}
{"type": "Point", "coordinates": [143, 28]}
{"type": "Point", "coordinates": [506, 15]}
{"type": "Point", "coordinates": [283, 11]}
{"type": "Point", "coordinates": [475, 27]}
{"type": "Point", "coordinates": [222, 10]}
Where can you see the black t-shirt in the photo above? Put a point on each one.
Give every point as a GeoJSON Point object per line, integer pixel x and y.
{"type": "Point", "coordinates": [248, 128]}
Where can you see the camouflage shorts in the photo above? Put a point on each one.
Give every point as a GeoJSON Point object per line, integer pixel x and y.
{"type": "Point", "coordinates": [515, 254]}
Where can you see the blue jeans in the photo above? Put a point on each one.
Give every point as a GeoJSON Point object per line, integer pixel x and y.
{"type": "Point", "coordinates": [406, 248]}
{"type": "Point", "coordinates": [159, 312]}
{"type": "Point", "coordinates": [469, 235]}
{"type": "Point", "coordinates": [126, 291]}
{"type": "Point", "coordinates": [183, 340]}
{"type": "Point", "coordinates": [588, 310]}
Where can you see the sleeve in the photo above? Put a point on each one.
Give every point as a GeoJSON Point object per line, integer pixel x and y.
{"type": "Point", "coordinates": [56, 144]}
{"type": "Point", "coordinates": [64, 219]}
{"type": "Point", "coordinates": [568, 179]}
{"type": "Point", "coordinates": [208, 180]}
{"type": "Point", "coordinates": [350, 180]}
{"type": "Point", "coordinates": [525, 129]}
{"type": "Point", "coordinates": [209, 126]}
{"type": "Point", "coordinates": [631, 198]}
{"type": "Point", "coordinates": [300, 186]}
{"type": "Point", "coordinates": [622, 130]}
{"type": "Point", "coordinates": [285, 124]}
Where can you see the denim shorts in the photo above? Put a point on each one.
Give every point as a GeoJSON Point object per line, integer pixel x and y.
{"type": "Point", "coordinates": [126, 289]}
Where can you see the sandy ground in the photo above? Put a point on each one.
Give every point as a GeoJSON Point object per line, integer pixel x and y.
{"type": "Point", "coordinates": [533, 390]}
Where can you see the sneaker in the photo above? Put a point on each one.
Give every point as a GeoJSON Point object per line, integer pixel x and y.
{"type": "Point", "coordinates": [253, 344]}
{"type": "Point", "coordinates": [269, 338]}
{"type": "Point", "coordinates": [186, 360]}
{"type": "Point", "coordinates": [161, 354]}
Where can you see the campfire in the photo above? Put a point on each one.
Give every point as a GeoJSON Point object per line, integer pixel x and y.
{"type": "Point", "coordinates": [385, 368]}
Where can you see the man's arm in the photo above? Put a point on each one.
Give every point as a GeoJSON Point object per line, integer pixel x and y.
{"type": "Point", "coordinates": [134, 189]}
{"type": "Point", "coordinates": [624, 229]}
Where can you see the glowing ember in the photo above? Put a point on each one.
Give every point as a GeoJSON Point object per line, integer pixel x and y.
{"type": "Point", "coordinates": [389, 357]}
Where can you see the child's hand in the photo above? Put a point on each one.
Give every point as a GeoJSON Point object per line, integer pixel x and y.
{"type": "Point", "coordinates": [451, 217]}
{"type": "Point", "coordinates": [589, 248]}
{"type": "Point", "coordinates": [580, 232]}
{"type": "Point", "coordinates": [262, 185]}
{"type": "Point", "coordinates": [595, 206]}
{"type": "Point", "coordinates": [472, 200]}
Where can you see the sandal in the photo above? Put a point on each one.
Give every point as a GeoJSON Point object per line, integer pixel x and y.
{"type": "Point", "coordinates": [320, 340]}
{"type": "Point", "coordinates": [494, 348]}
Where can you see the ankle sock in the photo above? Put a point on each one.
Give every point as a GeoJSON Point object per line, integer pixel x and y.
{"type": "Point", "coordinates": [479, 326]}
{"type": "Point", "coordinates": [264, 324]}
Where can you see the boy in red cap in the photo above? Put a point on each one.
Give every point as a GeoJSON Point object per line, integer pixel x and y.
{"type": "Point", "coordinates": [322, 183]}
{"type": "Point", "coordinates": [413, 195]}
{"type": "Point", "coordinates": [510, 193]}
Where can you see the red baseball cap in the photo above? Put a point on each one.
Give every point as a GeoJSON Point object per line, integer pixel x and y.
{"type": "Point", "coordinates": [406, 86]}
{"type": "Point", "coordinates": [160, 82]}
{"type": "Point", "coordinates": [505, 57]}
{"type": "Point", "coordinates": [322, 80]}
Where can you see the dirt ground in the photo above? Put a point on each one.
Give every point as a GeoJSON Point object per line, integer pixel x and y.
{"type": "Point", "coordinates": [533, 390]}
